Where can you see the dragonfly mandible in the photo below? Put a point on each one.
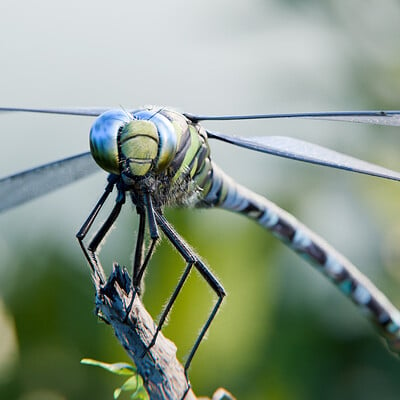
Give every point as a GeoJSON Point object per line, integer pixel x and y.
{"type": "Point", "coordinates": [161, 158]}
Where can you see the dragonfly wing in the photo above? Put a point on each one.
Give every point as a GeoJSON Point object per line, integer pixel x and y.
{"type": "Point", "coordinates": [24, 186]}
{"type": "Point", "coordinates": [90, 111]}
{"type": "Point", "coordinates": [390, 118]}
{"type": "Point", "coordinates": [308, 152]}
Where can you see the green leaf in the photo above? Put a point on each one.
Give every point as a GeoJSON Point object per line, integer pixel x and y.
{"type": "Point", "coordinates": [116, 368]}
{"type": "Point", "coordinates": [140, 394]}
{"type": "Point", "coordinates": [131, 384]}
{"type": "Point", "coordinates": [134, 383]}
{"type": "Point", "coordinates": [117, 392]}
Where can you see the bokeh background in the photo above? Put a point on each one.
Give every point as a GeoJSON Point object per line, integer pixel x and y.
{"type": "Point", "coordinates": [283, 332]}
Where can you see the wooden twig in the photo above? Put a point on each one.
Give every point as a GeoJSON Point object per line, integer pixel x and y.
{"type": "Point", "coordinates": [163, 375]}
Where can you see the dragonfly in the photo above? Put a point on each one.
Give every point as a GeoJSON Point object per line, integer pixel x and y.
{"type": "Point", "coordinates": [161, 158]}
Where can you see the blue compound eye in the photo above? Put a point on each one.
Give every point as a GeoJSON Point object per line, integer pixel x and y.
{"type": "Point", "coordinates": [103, 139]}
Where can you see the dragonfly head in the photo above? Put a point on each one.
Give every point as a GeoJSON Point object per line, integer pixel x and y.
{"type": "Point", "coordinates": [133, 145]}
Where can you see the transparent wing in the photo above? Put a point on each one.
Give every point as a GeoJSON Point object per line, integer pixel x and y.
{"type": "Point", "coordinates": [391, 118]}
{"type": "Point", "coordinates": [295, 149]}
{"type": "Point", "coordinates": [24, 186]}
{"type": "Point", "coordinates": [89, 111]}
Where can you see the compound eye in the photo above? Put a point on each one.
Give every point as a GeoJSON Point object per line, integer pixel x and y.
{"type": "Point", "coordinates": [103, 139]}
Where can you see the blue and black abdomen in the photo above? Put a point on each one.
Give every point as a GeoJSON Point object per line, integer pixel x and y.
{"type": "Point", "coordinates": [227, 194]}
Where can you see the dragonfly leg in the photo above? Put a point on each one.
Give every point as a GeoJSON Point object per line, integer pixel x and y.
{"type": "Point", "coordinates": [143, 207]}
{"type": "Point", "coordinates": [144, 211]}
{"type": "Point", "coordinates": [139, 249]}
{"type": "Point", "coordinates": [192, 260]}
{"type": "Point", "coordinates": [90, 251]}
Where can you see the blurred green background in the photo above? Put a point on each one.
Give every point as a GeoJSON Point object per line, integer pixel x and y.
{"type": "Point", "coordinates": [283, 331]}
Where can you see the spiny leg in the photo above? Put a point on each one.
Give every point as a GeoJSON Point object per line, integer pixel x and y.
{"type": "Point", "coordinates": [90, 251]}
{"type": "Point", "coordinates": [221, 294]}
{"type": "Point", "coordinates": [192, 260]}
{"type": "Point", "coordinates": [144, 208]}
{"type": "Point", "coordinates": [144, 211]}
{"type": "Point", "coordinates": [112, 180]}
{"type": "Point", "coordinates": [139, 249]}
{"type": "Point", "coordinates": [102, 232]}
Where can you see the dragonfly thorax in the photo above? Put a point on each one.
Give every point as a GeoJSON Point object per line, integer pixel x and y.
{"type": "Point", "coordinates": [133, 145]}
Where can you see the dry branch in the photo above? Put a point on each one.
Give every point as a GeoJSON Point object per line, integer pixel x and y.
{"type": "Point", "coordinates": [162, 373]}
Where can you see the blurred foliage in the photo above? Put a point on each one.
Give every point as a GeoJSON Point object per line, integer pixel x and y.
{"type": "Point", "coordinates": [52, 307]}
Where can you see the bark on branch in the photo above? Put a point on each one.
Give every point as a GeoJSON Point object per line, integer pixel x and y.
{"type": "Point", "coordinates": [162, 373]}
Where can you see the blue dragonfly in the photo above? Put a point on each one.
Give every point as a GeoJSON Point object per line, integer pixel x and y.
{"type": "Point", "coordinates": [161, 158]}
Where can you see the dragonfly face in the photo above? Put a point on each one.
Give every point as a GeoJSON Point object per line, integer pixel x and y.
{"type": "Point", "coordinates": [133, 145]}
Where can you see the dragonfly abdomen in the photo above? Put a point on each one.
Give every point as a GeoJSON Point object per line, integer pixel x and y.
{"type": "Point", "coordinates": [227, 194]}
